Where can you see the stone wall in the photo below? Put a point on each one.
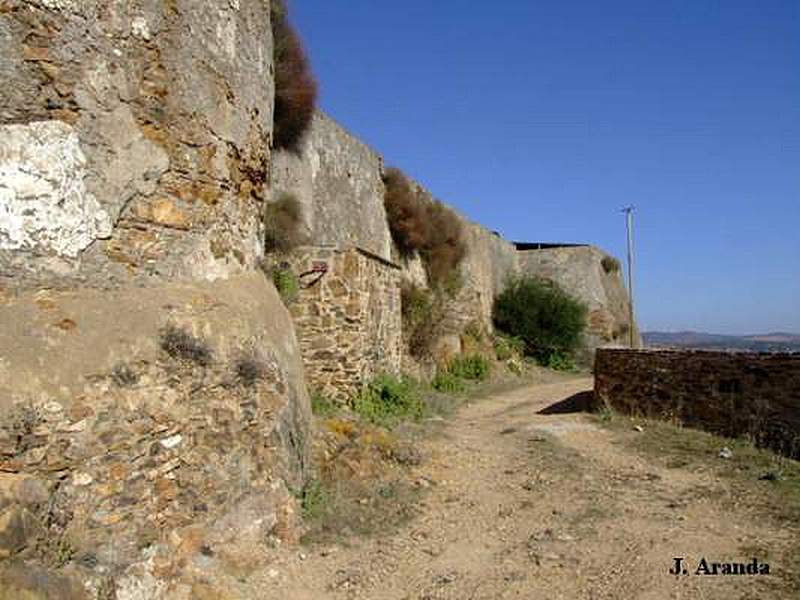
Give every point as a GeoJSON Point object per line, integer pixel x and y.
{"type": "Point", "coordinates": [580, 271]}
{"type": "Point", "coordinates": [134, 162]}
{"type": "Point", "coordinates": [150, 453]}
{"type": "Point", "coordinates": [731, 394]}
{"type": "Point", "coordinates": [489, 262]}
{"type": "Point", "coordinates": [134, 165]}
{"type": "Point", "coordinates": [337, 179]}
{"type": "Point", "coordinates": [347, 319]}
{"type": "Point", "coordinates": [134, 139]}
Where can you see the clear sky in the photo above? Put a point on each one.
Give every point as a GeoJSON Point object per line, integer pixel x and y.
{"type": "Point", "coordinates": [542, 118]}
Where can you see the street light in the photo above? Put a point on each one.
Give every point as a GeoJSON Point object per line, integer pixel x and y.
{"type": "Point", "coordinates": [628, 210]}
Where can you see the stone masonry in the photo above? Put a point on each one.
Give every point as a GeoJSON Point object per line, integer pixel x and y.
{"type": "Point", "coordinates": [337, 180]}
{"type": "Point", "coordinates": [732, 394]}
{"type": "Point", "coordinates": [134, 161]}
{"type": "Point", "coordinates": [143, 457]}
{"type": "Point", "coordinates": [347, 319]}
{"type": "Point", "coordinates": [134, 139]}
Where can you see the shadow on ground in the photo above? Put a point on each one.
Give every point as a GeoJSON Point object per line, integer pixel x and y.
{"type": "Point", "coordinates": [580, 402]}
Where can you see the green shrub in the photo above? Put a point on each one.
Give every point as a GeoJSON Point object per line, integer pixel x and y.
{"type": "Point", "coordinates": [610, 264]}
{"type": "Point", "coordinates": [474, 367]}
{"type": "Point", "coordinates": [426, 227]}
{"type": "Point", "coordinates": [283, 223]}
{"type": "Point", "coordinates": [422, 312]}
{"type": "Point", "coordinates": [448, 383]}
{"type": "Point", "coordinates": [506, 347]}
{"type": "Point", "coordinates": [286, 282]}
{"type": "Point", "coordinates": [542, 315]}
{"type": "Point", "coordinates": [314, 499]}
{"type": "Point", "coordinates": [295, 87]}
{"type": "Point", "coordinates": [322, 406]}
{"type": "Point", "coordinates": [387, 400]}
{"type": "Point", "coordinates": [559, 361]}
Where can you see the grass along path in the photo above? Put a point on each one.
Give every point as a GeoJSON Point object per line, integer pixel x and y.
{"type": "Point", "coordinates": [568, 505]}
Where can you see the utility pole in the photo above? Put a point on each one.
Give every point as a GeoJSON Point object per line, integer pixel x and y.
{"type": "Point", "coordinates": [628, 210]}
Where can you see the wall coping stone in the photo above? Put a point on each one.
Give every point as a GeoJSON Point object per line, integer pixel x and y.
{"type": "Point", "coordinates": [704, 352]}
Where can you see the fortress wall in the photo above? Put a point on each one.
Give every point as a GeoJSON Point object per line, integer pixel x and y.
{"type": "Point", "coordinates": [593, 277]}
{"type": "Point", "coordinates": [134, 139]}
{"type": "Point", "coordinates": [134, 162]}
{"type": "Point", "coordinates": [337, 180]}
{"type": "Point", "coordinates": [347, 318]}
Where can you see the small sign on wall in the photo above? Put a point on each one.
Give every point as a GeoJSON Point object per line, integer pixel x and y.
{"type": "Point", "coordinates": [318, 268]}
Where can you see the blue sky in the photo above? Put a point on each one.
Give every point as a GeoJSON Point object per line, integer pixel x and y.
{"type": "Point", "coordinates": [541, 119]}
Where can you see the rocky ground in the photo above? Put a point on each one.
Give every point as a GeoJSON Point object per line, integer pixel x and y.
{"type": "Point", "coordinates": [525, 501]}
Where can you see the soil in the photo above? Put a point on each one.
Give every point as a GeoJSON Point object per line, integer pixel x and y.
{"type": "Point", "coordinates": [521, 504]}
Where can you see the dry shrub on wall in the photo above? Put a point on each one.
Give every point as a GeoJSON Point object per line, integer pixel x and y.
{"type": "Point", "coordinates": [295, 86]}
{"type": "Point", "coordinates": [610, 264]}
{"type": "Point", "coordinates": [444, 248]}
{"type": "Point", "coordinates": [283, 223]}
{"type": "Point", "coordinates": [405, 212]}
{"type": "Point", "coordinates": [428, 228]}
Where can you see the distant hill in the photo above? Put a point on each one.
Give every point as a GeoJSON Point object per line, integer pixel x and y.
{"type": "Point", "coordinates": [768, 342]}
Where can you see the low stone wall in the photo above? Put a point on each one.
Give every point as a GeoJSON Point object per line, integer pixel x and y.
{"type": "Point", "coordinates": [730, 394]}
{"type": "Point", "coordinates": [347, 318]}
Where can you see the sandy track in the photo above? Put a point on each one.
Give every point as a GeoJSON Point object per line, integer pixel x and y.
{"type": "Point", "coordinates": [526, 505]}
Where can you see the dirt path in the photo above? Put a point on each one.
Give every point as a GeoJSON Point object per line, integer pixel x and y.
{"type": "Point", "coordinates": [528, 505]}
